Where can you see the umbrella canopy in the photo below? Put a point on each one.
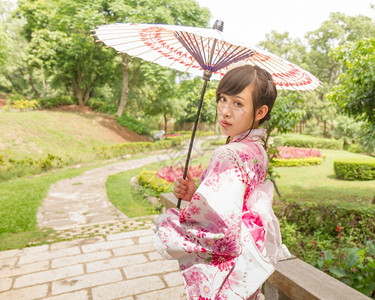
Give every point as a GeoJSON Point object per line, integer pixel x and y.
{"type": "Point", "coordinates": [194, 50]}
{"type": "Point", "coordinates": [197, 51]}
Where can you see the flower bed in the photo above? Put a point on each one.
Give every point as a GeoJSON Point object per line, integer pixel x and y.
{"type": "Point", "coordinates": [171, 173]}
{"type": "Point", "coordinates": [294, 157]}
{"type": "Point", "coordinates": [157, 182]}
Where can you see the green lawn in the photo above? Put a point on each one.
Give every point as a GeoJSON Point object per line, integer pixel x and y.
{"type": "Point", "coordinates": [318, 183]}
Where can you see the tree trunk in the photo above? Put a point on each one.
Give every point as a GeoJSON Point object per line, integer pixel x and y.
{"type": "Point", "coordinates": [125, 84]}
{"type": "Point", "coordinates": [78, 92]}
{"type": "Point", "coordinates": [325, 128]}
{"type": "Point", "coordinates": [33, 85]}
{"type": "Point", "coordinates": [165, 123]}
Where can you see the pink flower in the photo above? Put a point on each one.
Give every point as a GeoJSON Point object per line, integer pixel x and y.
{"type": "Point", "coordinates": [201, 232]}
{"type": "Point", "coordinates": [195, 277]}
{"type": "Point", "coordinates": [225, 246]}
{"type": "Point", "coordinates": [244, 156]}
{"type": "Point", "coordinates": [194, 210]}
{"type": "Point", "coordinates": [223, 262]}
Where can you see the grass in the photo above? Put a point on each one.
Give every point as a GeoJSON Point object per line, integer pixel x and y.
{"type": "Point", "coordinates": [29, 134]}
{"type": "Point", "coordinates": [318, 183]}
{"type": "Point", "coordinates": [20, 199]}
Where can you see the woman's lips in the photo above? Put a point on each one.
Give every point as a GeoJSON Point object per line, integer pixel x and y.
{"type": "Point", "coordinates": [225, 124]}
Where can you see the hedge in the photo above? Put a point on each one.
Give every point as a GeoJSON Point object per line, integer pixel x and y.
{"type": "Point", "coordinates": [296, 162]}
{"type": "Point", "coordinates": [138, 147]}
{"type": "Point", "coordinates": [355, 220]}
{"type": "Point", "coordinates": [306, 141]}
{"type": "Point", "coordinates": [355, 169]}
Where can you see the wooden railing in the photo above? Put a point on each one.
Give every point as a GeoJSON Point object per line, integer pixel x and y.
{"type": "Point", "coordinates": [294, 279]}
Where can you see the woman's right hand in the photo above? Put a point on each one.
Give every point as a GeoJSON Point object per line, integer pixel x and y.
{"type": "Point", "coordinates": [184, 188]}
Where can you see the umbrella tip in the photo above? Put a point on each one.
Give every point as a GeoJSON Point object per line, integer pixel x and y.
{"type": "Point", "coordinates": [219, 25]}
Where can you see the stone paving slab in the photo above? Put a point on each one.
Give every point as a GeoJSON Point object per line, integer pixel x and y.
{"type": "Point", "coordinates": [121, 265]}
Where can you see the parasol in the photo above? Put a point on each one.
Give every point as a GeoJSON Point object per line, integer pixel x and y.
{"type": "Point", "coordinates": [200, 51]}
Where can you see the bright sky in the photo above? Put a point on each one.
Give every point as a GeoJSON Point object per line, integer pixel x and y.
{"type": "Point", "coordinates": [250, 20]}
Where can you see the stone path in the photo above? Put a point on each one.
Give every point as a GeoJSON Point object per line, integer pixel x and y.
{"type": "Point", "coordinates": [83, 199]}
{"type": "Point", "coordinates": [115, 266]}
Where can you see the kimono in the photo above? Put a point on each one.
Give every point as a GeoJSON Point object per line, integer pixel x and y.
{"type": "Point", "coordinates": [227, 240]}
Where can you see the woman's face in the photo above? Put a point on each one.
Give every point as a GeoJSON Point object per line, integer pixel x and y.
{"type": "Point", "coordinates": [235, 112]}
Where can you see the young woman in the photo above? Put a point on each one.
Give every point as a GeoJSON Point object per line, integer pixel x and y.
{"type": "Point", "coordinates": [228, 240]}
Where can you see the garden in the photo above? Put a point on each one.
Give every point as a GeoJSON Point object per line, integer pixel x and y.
{"type": "Point", "coordinates": [321, 144]}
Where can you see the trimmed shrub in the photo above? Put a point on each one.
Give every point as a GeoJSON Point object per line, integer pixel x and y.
{"type": "Point", "coordinates": [355, 169]}
{"type": "Point", "coordinates": [149, 179]}
{"type": "Point", "coordinates": [306, 141]}
{"type": "Point", "coordinates": [22, 105]}
{"type": "Point", "coordinates": [296, 162]}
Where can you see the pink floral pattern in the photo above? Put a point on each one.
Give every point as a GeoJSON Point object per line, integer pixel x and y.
{"type": "Point", "coordinates": [227, 240]}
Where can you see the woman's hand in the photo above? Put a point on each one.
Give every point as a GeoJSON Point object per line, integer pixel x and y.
{"type": "Point", "coordinates": [184, 188]}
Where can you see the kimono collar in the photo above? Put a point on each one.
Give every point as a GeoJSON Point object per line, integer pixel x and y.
{"type": "Point", "coordinates": [254, 136]}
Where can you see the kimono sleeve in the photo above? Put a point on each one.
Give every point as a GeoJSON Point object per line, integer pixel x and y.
{"type": "Point", "coordinates": [210, 226]}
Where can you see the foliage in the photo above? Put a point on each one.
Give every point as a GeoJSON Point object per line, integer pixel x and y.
{"type": "Point", "coordinates": [156, 184]}
{"type": "Point", "coordinates": [355, 169]}
{"type": "Point", "coordinates": [356, 220]}
{"type": "Point", "coordinates": [285, 114]}
{"type": "Point", "coordinates": [22, 105]}
{"type": "Point", "coordinates": [356, 89]}
{"type": "Point", "coordinates": [126, 120]}
{"type": "Point", "coordinates": [296, 162]}
{"type": "Point", "coordinates": [305, 141]}
{"type": "Point", "coordinates": [11, 168]}
{"type": "Point", "coordinates": [190, 91]}
{"type": "Point", "coordinates": [137, 147]}
{"type": "Point", "coordinates": [50, 102]}
{"type": "Point", "coordinates": [354, 266]}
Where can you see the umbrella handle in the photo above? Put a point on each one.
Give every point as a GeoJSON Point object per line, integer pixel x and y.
{"type": "Point", "coordinates": [193, 133]}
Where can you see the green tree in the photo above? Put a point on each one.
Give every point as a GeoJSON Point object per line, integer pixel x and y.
{"type": "Point", "coordinates": [61, 45]}
{"type": "Point", "coordinates": [189, 93]}
{"type": "Point", "coordinates": [356, 89]}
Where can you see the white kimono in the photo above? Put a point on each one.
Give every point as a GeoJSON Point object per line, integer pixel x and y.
{"type": "Point", "coordinates": [228, 239]}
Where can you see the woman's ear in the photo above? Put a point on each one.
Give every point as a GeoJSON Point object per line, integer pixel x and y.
{"type": "Point", "coordinates": [261, 113]}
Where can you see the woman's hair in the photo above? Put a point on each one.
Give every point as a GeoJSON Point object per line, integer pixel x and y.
{"type": "Point", "coordinates": [264, 91]}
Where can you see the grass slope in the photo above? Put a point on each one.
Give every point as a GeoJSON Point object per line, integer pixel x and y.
{"type": "Point", "coordinates": [37, 133]}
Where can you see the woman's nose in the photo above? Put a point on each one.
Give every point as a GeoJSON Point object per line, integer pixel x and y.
{"type": "Point", "coordinates": [225, 110]}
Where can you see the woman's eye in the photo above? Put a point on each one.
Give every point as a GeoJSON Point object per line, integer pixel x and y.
{"type": "Point", "coordinates": [222, 99]}
{"type": "Point", "coordinates": [237, 103]}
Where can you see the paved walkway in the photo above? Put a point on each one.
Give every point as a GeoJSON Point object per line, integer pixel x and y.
{"type": "Point", "coordinates": [109, 256]}
{"type": "Point", "coordinates": [123, 265]}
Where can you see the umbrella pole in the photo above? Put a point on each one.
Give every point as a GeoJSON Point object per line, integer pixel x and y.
{"type": "Point", "coordinates": [193, 134]}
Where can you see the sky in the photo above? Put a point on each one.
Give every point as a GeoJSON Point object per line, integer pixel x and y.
{"type": "Point", "coordinates": [250, 20]}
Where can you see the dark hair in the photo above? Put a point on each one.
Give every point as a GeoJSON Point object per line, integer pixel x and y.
{"type": "Point", "coordinates": [264, 92]}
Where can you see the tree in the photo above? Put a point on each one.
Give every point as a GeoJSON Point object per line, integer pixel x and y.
{"type": "Point", "coordinates": [189, 93]}
{"type": "Point", "coordinates": [356, 89]}
{"type": "Point", "coordinates": [61, 45]}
